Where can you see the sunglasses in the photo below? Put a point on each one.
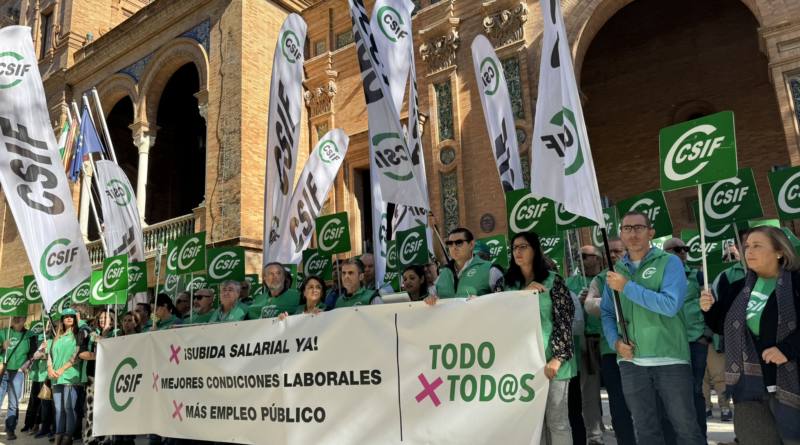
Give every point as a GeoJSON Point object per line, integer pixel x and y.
{"type": "Point", "coordinates": [679, 249]}
{"type": "Point", "coordinates": [200, 296]}
{"type": "Point", "coordinates": [457, 242]}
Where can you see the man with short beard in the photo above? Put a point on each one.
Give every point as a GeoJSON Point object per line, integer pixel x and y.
{"type": "Point", "coordinates": [352, 294]}
{"type": "Point", "coordinates": [203, 305]}
{"type": "Point", "coordinates": [279, 296]}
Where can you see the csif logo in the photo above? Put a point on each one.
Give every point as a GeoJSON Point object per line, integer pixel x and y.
{"type": "Point", "coordinates": [410, 248]}
{"type": "Point", "coordinates": [565, 141]}
{"type": "Point", "coordinates": [526, 213]}
{"type": "Point", "coordinates": [329, 152]}
{"type": "Point", "coordinates": [57, 259]}
{"type": "Point", "coordinates": [490, 76]}
{"type": "Point", "coordinates": [172, 259]}
{"type": "Point", "coordinates": [171, 283]}
{"type": "Point", "coordinates": [98, 293]}
{"type": "Point", "coordinates": [11, 301]}
{"type": "Point", "coordinates": [648, 273]}
{"type": "Point", "coordinates": [391, 257]}
{"type": "Point", "coordinates": [124, 383]}
{"type": "Point", "coordinates": [12, 69]}
{"type": "Point", "coordinates": [330, 233]}
{"type": "Point", "coordinates": [390, 152]}
{"type": "Point", "coordinates": [223, 265]}
{"type": "Point", "coordinates": [112, 274]}
{"type": "Point", "coordinates": [691, 152]}
{"type": "Point", "coordinates": [81, 293]}
{"type": "Point", "coordinates": [725, 197]}
{"type": "Point", "coordinates": [290, 46]}
{"type": "Point", "coordinates": [648, 207]}
{"type": "Point", "coordinates": [495, 248]}
{"type": "Point", "coordinates": [549, 243]}
{"type": "Point", "coordinates": [118, 192]}
{"type": "Point", "coordinates": [315, 264]}
{"type": "Point", "coordinates": [32, 293]}
{"type": "Point", "coordinates": [391, 24]}
{"type": "Point", "coordinates": [135, 273]}
{"type": "Point", "coordinates": [188, 253]}
{"type": "Point", "coordinates": [563, 217]}
{"type": "Point", "coordinates": [789, 194]}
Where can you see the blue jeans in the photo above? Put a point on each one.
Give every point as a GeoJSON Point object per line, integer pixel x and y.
{"type": "Point", "coordinates": [620, 415]}
{"type": "Point", "coordinates": [643, 386]}
{"type": "Point", "coordinates": [65, 398]}
{"type": "Point", "coordinates": [14, 392]}
{"type": "Point", "coordinates": [699, 357]}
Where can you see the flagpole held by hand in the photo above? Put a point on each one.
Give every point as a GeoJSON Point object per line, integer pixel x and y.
{"type": "Point", "coordinates": [617, 304]}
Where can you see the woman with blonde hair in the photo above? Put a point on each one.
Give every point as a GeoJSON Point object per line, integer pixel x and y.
{"type": "Point", "coordinates": [758, 316]}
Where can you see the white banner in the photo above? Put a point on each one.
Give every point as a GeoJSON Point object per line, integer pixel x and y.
{"type": "Point", "coordinates": [285, 105]}
{"type": "Point", "coordinates": [380, 220]}
{"type": "Point", "coordinates": [562, 167]}
{"type": "Point", "coordinates": [384, 374]}
{"type": "Point", "coordinates": [310, 194]}
{"type": "Point", "coordinates": [32, 175]}
{"type": "Point", "coordinates": [497, 112]}
{"type": "Point", "coordinates": [122, 230]}
{"type": "Point", "coordinates": [393, 159]}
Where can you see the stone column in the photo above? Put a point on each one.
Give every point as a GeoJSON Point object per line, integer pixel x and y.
{"type": "Point", "coordinates": [143, 139]}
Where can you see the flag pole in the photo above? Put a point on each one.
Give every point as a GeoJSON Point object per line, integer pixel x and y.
{"type": "Point", "coordinates": [617, 304]}
{"type": "Point", "coordinates": [90, 194]}
{"type": "Point", "coordinates": [739, 247]}
{"type": "Point", "coordinates": [702, 235]}
{"type": "Point", "coordinates": [91, 116]}
{"type": "Point", "coordinates": [101, 117]}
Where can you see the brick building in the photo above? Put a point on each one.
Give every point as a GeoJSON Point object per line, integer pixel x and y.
{"type": "Point", "coordinates": [184, 86]}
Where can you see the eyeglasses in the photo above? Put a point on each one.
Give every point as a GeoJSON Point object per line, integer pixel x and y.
{"type": "Point", "coordinates": [520, 247]}
{"type": "Point", "coordinates": [586, 256]}
{"type": "Point", "coordinates": [201, 296]}
{"type": "Point", "coordinates": [456, 242]}
{"type": "Point", "coordinates": [185, 301]}
{"type": "Point", "coordinates": [638, 228]}
{"type": "Point", "coordinates": [679, 249]}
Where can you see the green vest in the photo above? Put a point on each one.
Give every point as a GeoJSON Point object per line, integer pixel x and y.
{"type": "Point", "coordinates": [236, 313]}
{"type": "Point", "coordinates": [601, 284]}
{"type": "Point", "coordinates": [38, 371]}
{"type": "Point", "coordinates": [267, 306]}
{"type": "Point", "coordinates": [568, 369]}
{"type": "Point", "coordinates": [692, 315]}
{"type": "Point", "coordinates": [61, 351]}
{"type": "Point", "coordinates": [201, 318]}
{"type": "Point", "coordinates": [474, 280]}
{"type": "Point", "coordinates": [166, 324]}
{"type": "Point", "coordinates": [301, 308]}
{"type": "Point", "coordinates": [655, 335]}
{"type": "Point", "coordinates": [576, 284]}
{"type": "Point", "coordinates": [20, 354]}
{"type": "Point", "coordinates": [361, 297]}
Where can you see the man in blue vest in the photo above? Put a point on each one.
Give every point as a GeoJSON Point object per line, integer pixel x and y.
{"type": "Point", "coordinates": [655, 362]}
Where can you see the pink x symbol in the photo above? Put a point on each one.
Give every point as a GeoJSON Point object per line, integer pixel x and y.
{"type": "Point", "coordinates": [155, 381]}
{"type": "Point", "coordinates": [429, 390]}
{"type": "Point", "coordinates": [174, 355]}
{"type": "Point", "coordinates": [177, 412]}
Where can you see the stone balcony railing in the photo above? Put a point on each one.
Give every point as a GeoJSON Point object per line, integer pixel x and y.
{"type": "Point", "coordinates": [154, 235]}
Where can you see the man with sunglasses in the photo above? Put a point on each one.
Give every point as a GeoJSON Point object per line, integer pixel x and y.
{"type": "Point", "coordinates": [466, 275]}
{"type": "Point", "coordinates": [695, 328]}
{"type": "Point", "coordinates": [654, 362]}
{"type": "Point", "coordinates": [203, 305]}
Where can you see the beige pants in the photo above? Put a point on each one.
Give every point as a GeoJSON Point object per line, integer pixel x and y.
{"type": "Point", "coordinates": [715, 377]}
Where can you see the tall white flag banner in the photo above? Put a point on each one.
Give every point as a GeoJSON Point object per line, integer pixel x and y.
{"type": "Point", "coordinates": [285, 105]}
{"type": "Point", "coordinates": [379, 223]}
{"type": "Point", "coordinates": [122, 230]}
{"type": "Point", "coordinates": [309, 195]}
{"type": "Point", "coordinates": [418, 377]}
{"type": "Point", "coordinates": [393, 158]}
{"type": "Point", "coordinates": [32, 174]}
{"type": "Point", "coordinates": [497, 111]}
{"type": "Point", "coordinates": [562, 168]}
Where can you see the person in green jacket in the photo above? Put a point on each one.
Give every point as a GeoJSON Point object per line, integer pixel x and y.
{"type": "Point", "coordinates": [62, 367]}
{"type": "Point", "coordinates": [466, 275]}
{"type": "Point", "coordinates": [528, 270]}
{"type": "Point", "coordinates": [230, 309]}
{"type": "Point", "coordinates": [313, 290]}
{"type": "Point", "coordinates": [203, 306]}
{"type": "Point", "coordinates": [352, 294]}
{"type": "Point", "coordinates": [16, 343]}
{"type": "Point", "coordinates": [166, 313]}
{"type": "Point", "coordinates": [279, 296]}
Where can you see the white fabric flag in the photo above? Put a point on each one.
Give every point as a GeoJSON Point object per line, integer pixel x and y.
{"type": "Point", "coordinates": [308, 197]}
{"type": "Point", "coordinates": [562, 168]}
{"type": "Point", "coordinates": [285, 106]}
{"type": "Point", "coordinates": [32, 174]}
{"type": "Point", "coordinates": [122, 230]}
{"type": "Point", "coordinates": [393, 159]}
{"type": "Point", "coordinates": [379, 224]}
{"type": "Point", "coordinates": [497, 111]}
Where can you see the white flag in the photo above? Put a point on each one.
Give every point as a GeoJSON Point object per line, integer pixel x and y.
{"type": "Point", "coordinates": [393, 158]}
{"type": "Point", "coordinates": [122, 230]}
{"type": "Point", "coordinates": [308, 197]}
{"type": "Point", "coordinates": [497, 111]}
{"type": "Point", "coordinates": [285, 105]}
{"type": "Point", "coordinates": [562, 168]}
{"type": "Point", "coordinates": [379, 223]}
{"type": "Point", "coordinates": [32, 175]}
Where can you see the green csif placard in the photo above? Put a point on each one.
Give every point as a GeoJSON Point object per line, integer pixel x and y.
{"type": "Point", "coordinates": [115, 273]}
{"type": "Point", "coordinates": [732, 199]}
{"type": "Point", "coordinates": [612, 227]}
{"type": "Point", "coordinates": [32, 293]}
{"type": "Point", "coordinates": [785, 186]}
{"type": "Point", "coordinates": [12, 302]}
{"type": "Point", "coordinates": [333, 233]}
{"type": "Point", "coordinates": [99, 296]}
{"type": "Point", "coordinates": [553, 248]}
{"type": "Point", "coordinates": [528, 213]}
{"type": "Point", "coordinates": [498, 249]}
{"type": "Point", "coordinates": [694, 257]}
{"type": "Point", "coordinates": [137, 277]}
{"type": "Point", "coordinates": [317, 264]}
{"type": "Point", "coordinates": [654, 206]}
{"type": "Point", "coordinates": [412, 247]}
{"type": "Point", "coordinates": [225, 263]}
{"type": "Point", "coordinates": [187, 254]}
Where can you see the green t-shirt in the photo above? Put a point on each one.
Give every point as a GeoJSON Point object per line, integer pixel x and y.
{"type": "Point", "coordinates": [63, 349]}
{"type": "Point", "coordinates": [266, 306]}
{"type": "Point", "coordinates": [20, 354]}
{"type": "Point", "coordinates": [236, 313]}
{"type": "Point", "coordinates": [38, 371]}
{"type": "Point", "coordinates": [758, 300]}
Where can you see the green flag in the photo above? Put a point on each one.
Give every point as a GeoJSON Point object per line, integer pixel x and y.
{"type": "Point", "coordinates": [527, 213]}
{"type": "Point", "coordinates": [32, 293]}
{"type": "Point", "coordinates": [333, 233]}
{"type": "Point", "coordinates": [115, 273]}
{"type": "Point", "coordinates": [225, 263]}
{"type": "Point", "coordinates": [413, 247]}
{"type": "Point", "coordinates": [732, 199]}
{"type": "Point", "coordinates": [137, 277]}
{"type": "Point", "coordinates": [187, 254]}
{"type": "Point", "coordinates": [12, 302]}
{"type": "Point", "coordinates": [785, 186]}
{"type": "Point", "coordinates": [316, 263]}
{"type": "Point", "coordinates": [99, 296]}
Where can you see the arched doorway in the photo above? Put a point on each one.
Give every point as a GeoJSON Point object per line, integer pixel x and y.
{"type": "Point", "coordinates": [176, 178]}
{"type": "Point", "coordinates": [656, 63]}
{"type": "Point", "coordinates": [119, 121]}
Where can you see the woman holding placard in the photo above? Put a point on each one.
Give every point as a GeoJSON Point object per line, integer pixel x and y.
{"type": "Point", "coordinates": [758, 316]}
{"type": "Point", "coordinates": [528, 270]}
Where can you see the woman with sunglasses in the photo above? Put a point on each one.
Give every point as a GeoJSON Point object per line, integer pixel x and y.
{"type": "Point", "coordinates": [62, 367]}
{"type": "Point", "coordinates": [528, 270]}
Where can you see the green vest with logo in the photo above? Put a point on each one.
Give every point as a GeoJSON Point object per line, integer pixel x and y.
{"type": "Point", "coordinates": [200, 318]}
{"type": "Point", "coordinates": [237, 313]}
{"type": "Point", "coordinates": [576, 284]}
{"type": "Point", "coordinates": [568, 369]}
{"type": "Point", "coordinates": [166, 323]}
{"type": "Point", "coordinates": [361, 297]}
{"type": "Point", "coordinates": [39, 367]}
{"type": "Point", "coordinates": [474, 280]}
{"type": "Point", "coordinates": [655, 335]}
{"type": "Point", "coordinates": [601, 284]}
{"type": "Point", "coordinates": [266, 306]}
{"type": "Point", "coordinates": [20, 354]}
{"type": "Point", "coordinates": [692, 315]}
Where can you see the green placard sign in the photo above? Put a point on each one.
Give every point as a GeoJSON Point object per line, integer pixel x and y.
{"type": "Point", "coordinates": [225, 263]}
{"type": "Point", "coordinates": [714, 269]}
{"type": "Point", "coordinates": [724, 233]}
{"type": "Point", "coordinates": [732, 199]}
{"type": "Point", "coordinates": [99, 296]}
{"type": "Point", "coordinates": [764, 222]}
{"type": "Point", "coordinates": [137, 277]}
{"type": "Point", "coordinates": [785, 186]}
{"type": "Point", "coordinates": [567, 220]}
{"type": "Point", "coordinates": [792, 238]}
{"type": "Point", "coordinates": [691, 238]}
{"type": "Point", "coordinates": [658, 242]}
{"type": "Point", "coordinates": [392, 275]}
{"type": "Point", "coordinates": [255, 284]}
{"type": "Point", "coordinates": [315, 263]}
{"type": "Point", "coordinates": [12, 302]}
{"type": "Point", "coordinates": [115, 273]}
{"type": "Point", "coordinates": [527, 213]}
{"type": "Point", "coordinates": [32, 293]}
{"type": "Point", "coordinates": [498, 249]}
{"type": "Point", "coordinates": [333, 233]}
{"type": "Point", "coordinates": [187, 254]}
{"type": "Point", "coordinates": [654, 206]}
{"type": "Point", "coordinates": [612, 226]}
{"type": "Point", "coordinates": [412, 247]}
{"type": "Point", "coordinates": [81, 293]}
{"type": "Point", "coordinates": [171, 284]}
{"type": "Point", "coordinates": [192, 284]}
{"type": "Point", "coordinates": [698, 151]}
{"type": "Point", "coordinates": [553, 248]}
